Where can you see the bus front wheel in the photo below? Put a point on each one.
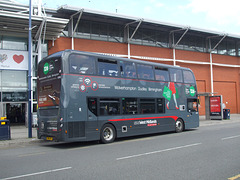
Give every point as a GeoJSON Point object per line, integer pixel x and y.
{"type": "Point", "coordinates": [108, 134]}
{"type": "Point", "coordinates": [179, 125]}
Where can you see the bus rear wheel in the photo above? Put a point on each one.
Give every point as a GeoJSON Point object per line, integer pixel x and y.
{"type": "Point", "coordinates": [179, 125]}
{"type": "Point", "coordinates": [108, 134]}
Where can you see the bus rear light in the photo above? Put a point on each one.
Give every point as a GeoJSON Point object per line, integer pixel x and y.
{"type": "Point", "coordinates": [42, 125]}
{"type": "Point", "coordinates": [66, 132]}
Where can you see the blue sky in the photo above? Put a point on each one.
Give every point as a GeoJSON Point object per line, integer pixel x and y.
{"type": "Point", "coordinates": [219, 15]}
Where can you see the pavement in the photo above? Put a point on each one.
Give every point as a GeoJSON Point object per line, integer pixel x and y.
{"type": "Point", "coordinates": [19, 134]}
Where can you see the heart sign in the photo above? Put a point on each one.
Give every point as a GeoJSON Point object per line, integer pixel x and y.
{"type": "Point", "coordinates": [18, 58]}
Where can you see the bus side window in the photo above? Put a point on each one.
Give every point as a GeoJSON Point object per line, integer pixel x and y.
{"type": "Point", "coordinates": [129, 105]}
{"type": "Point", "coordinates": [128, 69]}
{"type": "Point", "coordinates": [92, 105]}
{"type": "Point", "coordinates": [107, 67]}
{"type": "Point", "coordinates": [109, 107]}
{"type": "Point", "coordinates": [192, 105]}
{"type": "Point", "coordinates": [147, 106]}
{"type": "Point", "coordinates": [188, 77]}
{"type": "Point", "coordinates": [82, 64]}
{"type": "Point", "coordinates": [145, 72]}
{"type": "Point", "coordinates": [160, 105]}
{"type": "Point", "coordinates": [161, 74]}
{"type": "Point", "coordinates": [176, 75]}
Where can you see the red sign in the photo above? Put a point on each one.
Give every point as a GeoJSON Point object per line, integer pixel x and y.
{"type": "Point", "coordinates": [215, 104]}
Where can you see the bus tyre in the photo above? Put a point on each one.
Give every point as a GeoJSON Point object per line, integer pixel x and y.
{"type": "Point", "coordinates": [108, 134]}
{"type": "Point", "coordinates": [179, 125]}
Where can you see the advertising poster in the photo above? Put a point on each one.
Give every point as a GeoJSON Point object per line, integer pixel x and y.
{"type": "Point", "coordinates": [49, 82]}
{"type": "Point", "coordinates": [13, 60]}
{"type": "Point", "coordinates": [215, 107]}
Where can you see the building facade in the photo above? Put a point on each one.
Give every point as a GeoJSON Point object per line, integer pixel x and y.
{"type": "Point", "coordinates": [213, 57]}
{"type": "Point", "coordinates": [14, 58]}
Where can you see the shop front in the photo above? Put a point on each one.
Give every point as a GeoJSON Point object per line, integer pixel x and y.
{"type": "Point", "coordinates": [15, 112]}
{"type": "Point", "coordinates": [13, 86]}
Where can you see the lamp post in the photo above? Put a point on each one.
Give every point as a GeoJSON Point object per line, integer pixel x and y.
{"type": "Point", "coordinates": [30, 71]}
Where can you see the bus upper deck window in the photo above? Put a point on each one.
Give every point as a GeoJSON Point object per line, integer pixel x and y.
{"type": "Point", "coordinates": [176, 75]}
{"type": "Point", "coordinates": [145, 72]}
{"type": "Point", "coordinates": [107, 67]}
{"type": "Point", "coordinates": [82, 64]}
{"type": "Point", "coordinates": [188, 77]}
{"type": "Point", "coordinates": [161, 74]}
{"type": "Point", "coordinates": [128, 69]}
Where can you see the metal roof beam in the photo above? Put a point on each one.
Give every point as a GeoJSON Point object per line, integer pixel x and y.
{"type": "Point", "coordinates": [39, 32]}
{"type": "Point", "coordinates": [134, 32]}
{"type": "Point", "coordinates": [212, 49]}
{"type": "Point", "coordinates": [172, 32]}
{"type": "Point", "coordinates": [79, 17]}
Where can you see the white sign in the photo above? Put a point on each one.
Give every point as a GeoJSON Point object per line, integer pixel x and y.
{"type": "Point", "coordinates": [15, 60]}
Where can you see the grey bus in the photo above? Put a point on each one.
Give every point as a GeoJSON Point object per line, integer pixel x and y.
{"type": "Point", "coordinates": [86, 96]}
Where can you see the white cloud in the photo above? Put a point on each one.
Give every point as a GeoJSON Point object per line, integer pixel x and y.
{"type": "Point", "coordinates": [152, 6]}
{"type": "Point", "coordinates": [220, 11]}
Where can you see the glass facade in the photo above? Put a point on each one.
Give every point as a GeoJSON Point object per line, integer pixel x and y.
{"type": "Point", "coordinates": [14, 83]}
{"type": "Point", "coordinates": [14, 43]}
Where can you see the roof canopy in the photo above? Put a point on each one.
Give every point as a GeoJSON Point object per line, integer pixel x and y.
{"type": "Point", "coordinates": [14, 19]}
{"type": "Point", "coordinates": [100, 16]}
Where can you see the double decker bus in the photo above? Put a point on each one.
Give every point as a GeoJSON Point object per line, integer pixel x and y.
{"type": "Point", "coordinates": [86, 96]}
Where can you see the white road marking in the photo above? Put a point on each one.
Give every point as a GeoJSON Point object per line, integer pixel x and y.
{"type": "Point", "coordinates": [37, 173]}
{"type": "Point", "coordinates": [160, 151]}
{"type": "Point", "coordinates": [231, 137]}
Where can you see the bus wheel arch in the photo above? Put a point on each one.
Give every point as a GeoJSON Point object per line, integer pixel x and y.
{"type": "Point", "coordinates": [108, 133]}
{"type": "Point", "coordinates": [179, 125]}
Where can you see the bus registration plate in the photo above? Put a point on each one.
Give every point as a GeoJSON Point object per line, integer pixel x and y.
{"type": "Point", "coordinates": [49, 138]}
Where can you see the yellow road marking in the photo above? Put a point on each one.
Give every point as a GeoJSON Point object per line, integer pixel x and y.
{"type": "Point", "coordinates": [33, 154]}
{"type": "Point", "coordinates": [235, 177]}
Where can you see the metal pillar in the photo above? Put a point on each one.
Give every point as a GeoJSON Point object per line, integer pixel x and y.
{"type": "Point", "coordinates": [175, 45]}
{"type": "Point", "coordinates": [211, 60]}
{"type": "Point", "coordinates": [30, 72]}
{"type": "Point", "coordinates": [134, 32]}
{"type": "Point", "coordinates": [76, 25]}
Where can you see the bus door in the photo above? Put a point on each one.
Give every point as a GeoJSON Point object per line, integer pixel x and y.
{"type": "Point", "coordinates": [92, 114]}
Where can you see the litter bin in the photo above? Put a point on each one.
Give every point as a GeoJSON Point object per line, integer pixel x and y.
{"type": "Point", "coordinates": [226, 113]}
{"type": "Point", "coordinates": [5, 130]}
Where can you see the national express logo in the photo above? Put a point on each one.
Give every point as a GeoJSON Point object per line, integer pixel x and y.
{"type": "Point", "coordinates": [48, 67]}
